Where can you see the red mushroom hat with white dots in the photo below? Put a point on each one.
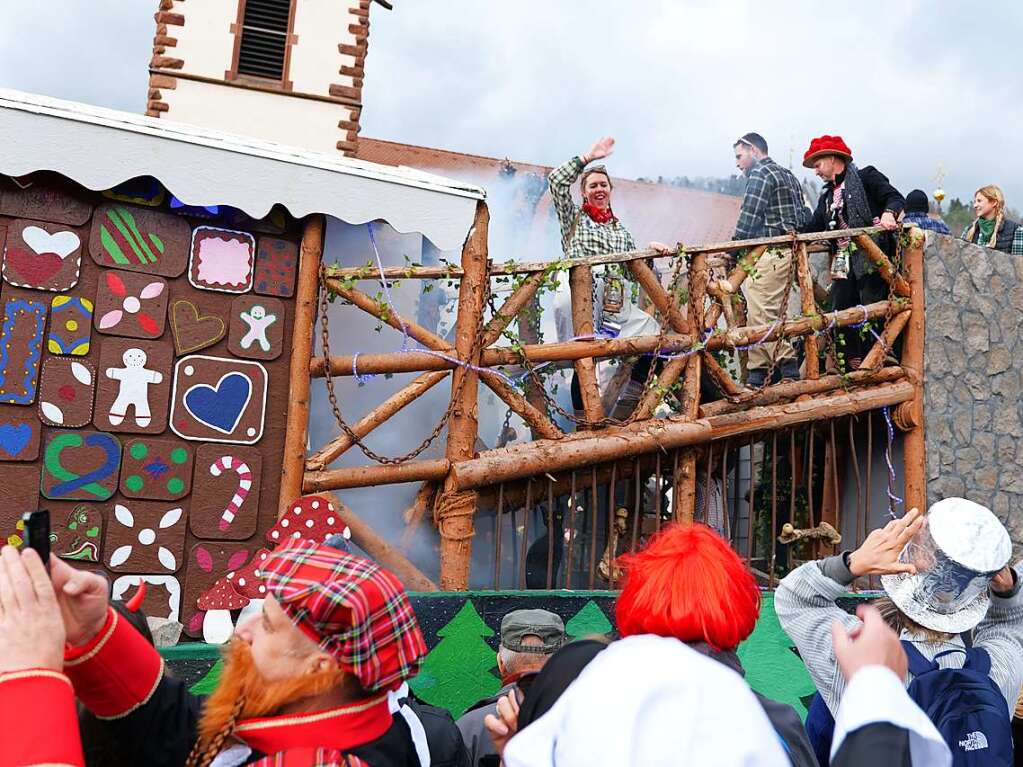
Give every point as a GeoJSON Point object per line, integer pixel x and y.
{"type": "Point", "coordinates": [312, 518]}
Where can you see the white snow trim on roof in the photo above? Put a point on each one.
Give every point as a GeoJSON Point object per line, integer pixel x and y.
{"type": "Point", "coordinates": [100, 148]}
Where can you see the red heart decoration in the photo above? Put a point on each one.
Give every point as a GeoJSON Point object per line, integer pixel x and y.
{"type": "Point", "coordinates": [33, 268]}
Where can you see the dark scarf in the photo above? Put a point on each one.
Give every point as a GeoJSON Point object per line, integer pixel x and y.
{"type": "Point", "coordinates": [600, 216]}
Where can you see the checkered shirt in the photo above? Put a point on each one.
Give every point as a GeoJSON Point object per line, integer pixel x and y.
{"type": "Point", "coordinates": [923, 221]}
{"type": "Point", "coordinates": [589, 237]}
{"type": "Point", "coordinates": [773, 204]}
{"type": "Point", "coordinates": [1016, 249]}
{"type": "Point", "coordinates": [352, 608]}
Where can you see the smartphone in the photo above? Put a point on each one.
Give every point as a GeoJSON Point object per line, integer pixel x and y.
{"type": "Point", "coordinates": [37, 533]}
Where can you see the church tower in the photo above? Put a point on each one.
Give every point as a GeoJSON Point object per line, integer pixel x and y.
{"type": "Point", "coordinates": [288, 71]}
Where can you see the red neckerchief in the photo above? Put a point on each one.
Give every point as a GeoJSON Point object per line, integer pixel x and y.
{"type": "Point", "coordinates": [600, 215]}
{"type": "Point", "coordinates": [342, 728]}
{"type": "Point", "coordinates": [508, 679]}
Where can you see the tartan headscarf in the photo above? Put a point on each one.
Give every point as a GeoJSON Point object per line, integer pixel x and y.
{"type": "Point", "coordinates": [351, 607]}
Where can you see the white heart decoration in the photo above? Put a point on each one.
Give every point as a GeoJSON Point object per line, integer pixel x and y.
{"type": "Point", "coordinates": [62, 243]}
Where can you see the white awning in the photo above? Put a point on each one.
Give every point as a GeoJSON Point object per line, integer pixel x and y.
{"type": "Point", "coordinates": [100, 148]}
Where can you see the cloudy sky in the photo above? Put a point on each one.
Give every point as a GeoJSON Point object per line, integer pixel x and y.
{"type": "Point", "coordinates": [909, 86]}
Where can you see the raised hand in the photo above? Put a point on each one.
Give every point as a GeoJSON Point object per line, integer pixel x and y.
{"type": "Point", "coordinates": [31, 629]}
{"type": "Point", "coordinates": [879, 553]}
{"type": "Point", "coordinates": [871, 644]}
{"type": "Point", "coordinates": [83, 600]}
{"type": "Point", "coordinates": [600, 149]}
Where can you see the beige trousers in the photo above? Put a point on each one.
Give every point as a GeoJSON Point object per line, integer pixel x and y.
{"type": "Point", "coordinates": [765, 297]}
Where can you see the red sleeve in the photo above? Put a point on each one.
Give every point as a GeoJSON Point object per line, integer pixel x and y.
{"type": "Point", "coordinates": [116, 672]}
{"type": "Point", "coordinates": [38, 720]}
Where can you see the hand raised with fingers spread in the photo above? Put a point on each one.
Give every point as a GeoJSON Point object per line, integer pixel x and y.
{"type": "Point", "coordinates": [505, 723]}
{"type": "Point", "coordinates": [872, 644]}
{"type": "Point", "coordinates": [31, 629]}
{"type": "Point", "coordinates": [600, 149]}
{"type": "Point", "coordinates": [83, 599]}
{"type": "Point", "coordinates": [879, 553]}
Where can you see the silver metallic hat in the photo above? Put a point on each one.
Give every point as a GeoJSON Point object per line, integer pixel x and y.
{"type": "Point", "coordinates": [957, 552]}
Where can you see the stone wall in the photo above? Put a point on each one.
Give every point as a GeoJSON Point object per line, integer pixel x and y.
{"type": "Point", "coordinates": [973, 368]}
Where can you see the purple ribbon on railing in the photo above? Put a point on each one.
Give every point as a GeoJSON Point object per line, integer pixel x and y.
{"type": "Point", "coordinates": [893, 499]}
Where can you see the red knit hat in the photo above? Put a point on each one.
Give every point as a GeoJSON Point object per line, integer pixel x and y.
{"type": "Point", "coordinates": [351, 607]}
{"type": "Point", "coordinates": [822, 146]}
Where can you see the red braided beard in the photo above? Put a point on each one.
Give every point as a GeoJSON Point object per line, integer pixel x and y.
{"type": "Point", "coordinates": [241, 679]}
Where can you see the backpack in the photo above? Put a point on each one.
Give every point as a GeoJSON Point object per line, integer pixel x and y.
{"type": "Point", "coordinates": [965, 705]}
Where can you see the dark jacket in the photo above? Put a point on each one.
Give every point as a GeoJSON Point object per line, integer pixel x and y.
{"type": "Point", "coordinates": [881, 196]}
{"type": "Point", "coordinates": [397, 746]}
{"type": "Point", "coordinates": [476, 736]}
{"type": "Point", "coordinates": [783, 718]}
{"type": "Point", "coordinates": [1004, 238]}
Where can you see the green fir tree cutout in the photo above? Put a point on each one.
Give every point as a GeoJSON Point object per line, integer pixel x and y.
{"type": "Point", "coordinates": [588, 621]}
{"type": "Point", "coordinates": [772, 667]}
{"type": "Point", "coordinates": [457, 671]}
{"type": "Point", "coordinates": [208, 683]}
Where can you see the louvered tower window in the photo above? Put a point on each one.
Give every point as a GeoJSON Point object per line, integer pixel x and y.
{"type": "Point", "coordinates": [264, 42]}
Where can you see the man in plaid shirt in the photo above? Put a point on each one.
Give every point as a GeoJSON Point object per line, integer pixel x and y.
{"type": "Point", "coordinates": [309, 682]}
{"type": "Point", "coordinates": [772, 206]}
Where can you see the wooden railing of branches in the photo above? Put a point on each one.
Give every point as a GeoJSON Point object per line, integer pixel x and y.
{"type": "Point", "coordinates": [691, 333]}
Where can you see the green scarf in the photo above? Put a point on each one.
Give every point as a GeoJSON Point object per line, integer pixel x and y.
{"type": "Point", "coordinates": [985, 228]}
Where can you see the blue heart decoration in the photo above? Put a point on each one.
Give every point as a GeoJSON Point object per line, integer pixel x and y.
{"type": "Point", "coordinates": [14, 437]}
{"type": "Point", "coordinates": [222, 406]}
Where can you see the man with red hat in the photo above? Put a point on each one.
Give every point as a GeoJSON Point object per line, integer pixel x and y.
{"type": "Point", "coordinates": [852, 197]}
{"type": "Point", "coordinates": [305, 683]}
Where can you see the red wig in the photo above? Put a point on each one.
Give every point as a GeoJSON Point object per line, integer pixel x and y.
{"type": "Point", "coordinates": [689, 584]}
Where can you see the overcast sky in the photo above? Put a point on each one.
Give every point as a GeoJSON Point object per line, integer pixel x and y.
{"type": "Point", "coordinates": [909, 86]}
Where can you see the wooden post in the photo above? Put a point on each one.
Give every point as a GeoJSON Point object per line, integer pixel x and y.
{"type": "Point", "coordinates": [876, 356]}
{"type": "Point", "coordinates": [724, 290]}
{"type": "Point", "coordinates": [686, 495]}
{"type": "Point", "coordinates": [914, 448]}
{"type": "Point", "coordinates": [884, 266]}
{"type": "Point", "coordinates": [581, 285]}
{"type": "Point", "coordinates": [809, 307]}
{"type": "Point", "coordinates": [296, 430]}
{"type": "Point", "coordinates": [455, 520]}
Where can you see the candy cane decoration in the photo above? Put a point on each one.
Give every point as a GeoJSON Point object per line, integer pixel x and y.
{"type": "Point", "coordinates": [229, 463]}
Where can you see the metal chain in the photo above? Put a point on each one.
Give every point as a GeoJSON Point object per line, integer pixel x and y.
{"type": "Point", "coordinates": [332, 395]}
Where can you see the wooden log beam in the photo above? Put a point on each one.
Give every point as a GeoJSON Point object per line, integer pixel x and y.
{"type": "Point", "coordinates": [387, 314]}
{"type": "Point", "coordinates": [414, 514]}
{"type": "Point", "coordinates": [367, 476]}
{"type": "Point", "coordinates": [415, 362]}
{"type": "Point", "coordinates": [720, 375]}
{"type": "Point", "coordinates": [516, 462]}
{"type": "Point", "coordinates": [884, 266]}
{"type": "Point", "coordinates": [378, 415]}
{"type": "Point", "coordinates": [812, 361]}
{"type": "Point", "coordinates": [666, 379]}
{"type": "Point", "coordinates": [510, 309]}
{"type": "Point", "coordinates": [456, 529]}
{"type": "Point", "coordinates": [297, 425]}
{"type": "Point", "coordinates": [418, 271]}
{"type": "Point", "coordinates": [790, 390]}
{"type": "Point", "coordinates": [724, 290]}
{"type": "Point", "coordinates": [876, 355]}
{"type": "Point", "coordinates": [914, 446]}
{"type": "Point", "coordinates": [659, 297]}
{"type": "Point", "coordinates": [383, 553]}
{"type": "Point", "coordinates": [532, 415]}
{"type": "Point", "coordinates": [581, 285]}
